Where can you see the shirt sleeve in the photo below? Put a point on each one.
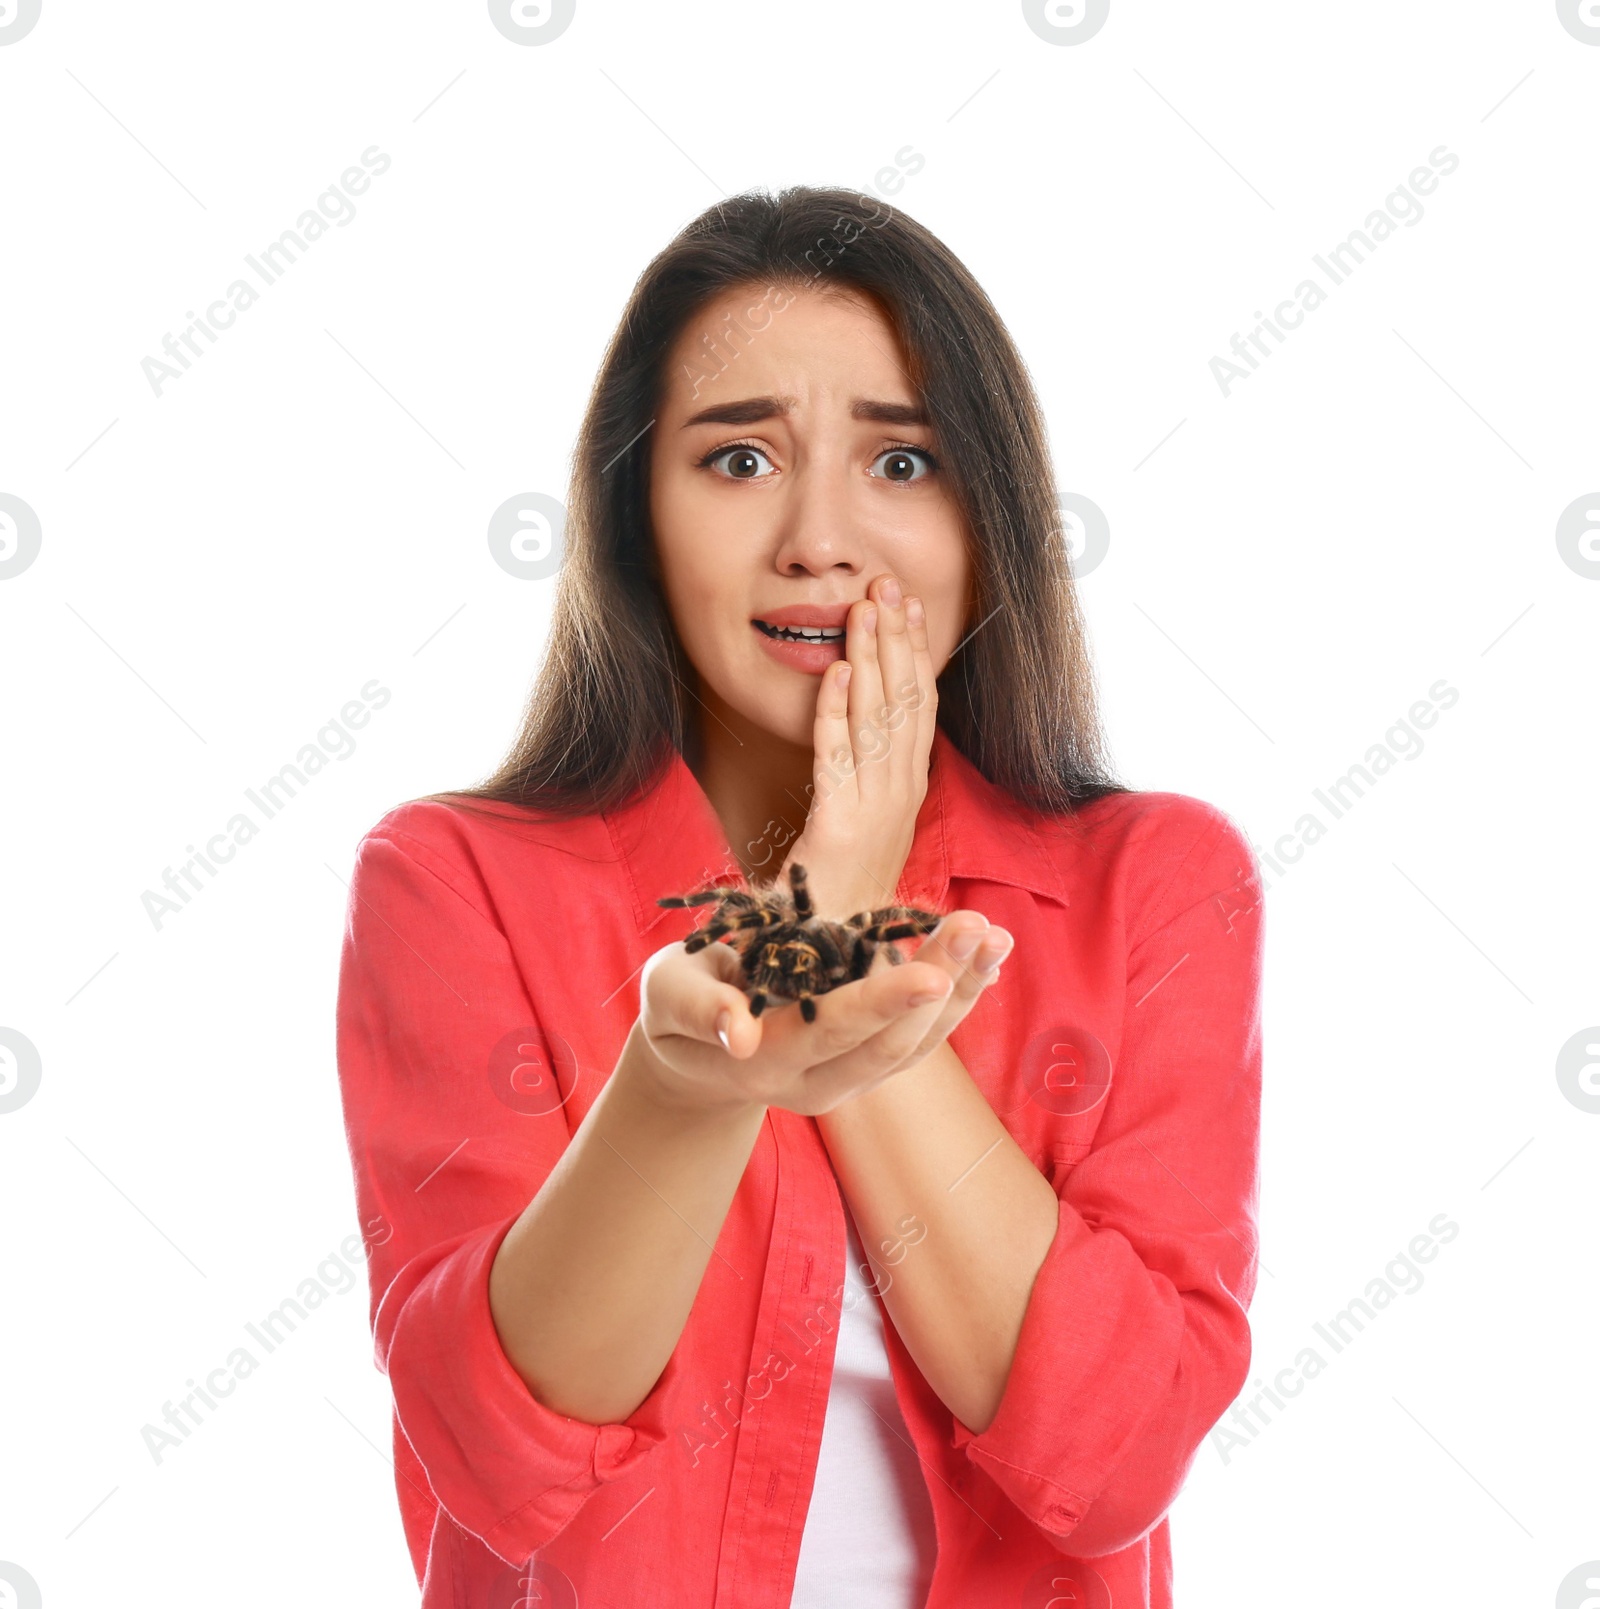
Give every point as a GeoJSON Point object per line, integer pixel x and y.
{"type": "Point", "coordinates": [1135, 1338]}
{"type": "Point", "coordinates": [454, 1115]}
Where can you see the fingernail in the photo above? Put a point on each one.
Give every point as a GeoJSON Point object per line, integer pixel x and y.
{"type": "Point", "coordinates": [964, 943]}
{"type": "Point", "coordinates": [724, 1019]}
{"type": "Point", "coordinates": [996, 952]}
{"type": "Point", "coordinates": [913, 611]}
{"type": "Point", "coordinates": [869, 619]}
{"type": "Point", "coordinates": [890, 592]}
{"type": "Point", "coordinates": [927, 997]}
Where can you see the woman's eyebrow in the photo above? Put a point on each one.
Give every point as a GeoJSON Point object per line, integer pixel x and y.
{"type": "Point", "coordinates": [751, 410]}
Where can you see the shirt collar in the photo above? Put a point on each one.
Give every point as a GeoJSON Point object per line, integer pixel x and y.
{"type": "Point", "coordinates": [670, 840]}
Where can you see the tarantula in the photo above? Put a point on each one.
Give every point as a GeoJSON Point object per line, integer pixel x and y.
{"type": "Point", "coordinates": [787, 951]}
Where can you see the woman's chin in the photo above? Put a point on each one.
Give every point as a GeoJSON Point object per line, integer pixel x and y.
{"type": "Point", "coordinates": [782, 712]}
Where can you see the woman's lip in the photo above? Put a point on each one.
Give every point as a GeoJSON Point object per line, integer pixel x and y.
{"type": "Point", "coordinates": [813, 658]}
{"type": "Point", "coordinates": [831, 616]}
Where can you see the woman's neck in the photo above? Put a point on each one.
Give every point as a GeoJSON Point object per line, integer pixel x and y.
{"type": "Point", "coordinates": [758, 784]}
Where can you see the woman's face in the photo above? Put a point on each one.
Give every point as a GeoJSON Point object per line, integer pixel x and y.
{"type": "Point", "coordinates": [786, 483]}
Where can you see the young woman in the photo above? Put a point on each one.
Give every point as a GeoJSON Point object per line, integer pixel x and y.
{"type": "Point", "coordinates": [928, 1301]}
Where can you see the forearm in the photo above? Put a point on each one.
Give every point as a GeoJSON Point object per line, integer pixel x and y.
{"type": "Point", "coordinates": [926, 1142]}
{"type": "Point", "coordinates": [593, 1284]}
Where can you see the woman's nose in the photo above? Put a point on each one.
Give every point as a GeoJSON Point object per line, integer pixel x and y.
{"type": "Point", "coordinates": [816, 527]}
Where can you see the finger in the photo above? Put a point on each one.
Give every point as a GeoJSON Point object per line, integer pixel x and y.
{"type": "Point", "coordinates": [972, 952]}
{"type": "Point", "coordinates": [992, 950]}
{"type": "Point", "coordinates": [954, 946]}
{"type": "Point", "coordinates": [832, 759]}
{"type": "Point", "coordinates": [847, 1018]}
{"type": "Point", "coordinates": [969, 939]}
{"type": "Point", "coordinates": [927, 694]}
{"type": "Point", "coordinates": [867, 733]}
{"type": "Point", "coordinates": [898, 671]}
{"type": "Point", "coordinates": [688, 995]}
{"type": "Point", "coordinates": [881, 1034]}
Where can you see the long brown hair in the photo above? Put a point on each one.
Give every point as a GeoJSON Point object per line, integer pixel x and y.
{"type": "Point", "coordinates": [1017, 697]}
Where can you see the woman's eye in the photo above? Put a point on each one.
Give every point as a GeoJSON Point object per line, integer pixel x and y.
{"type": "Point", "coordinates": [743, 461]}
{"type": "Point", "coordinates": [901, 464]}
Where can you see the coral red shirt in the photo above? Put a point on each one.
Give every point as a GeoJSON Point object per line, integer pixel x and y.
{"type": "Point", "coordinates": [488, 980]}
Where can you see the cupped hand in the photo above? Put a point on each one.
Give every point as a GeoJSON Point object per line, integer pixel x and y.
{"type": "Point", "coordinates": [969, 950]}
{"type": "Point", "coordinates": [709, 1051]}
{"type": "Point", "coordinates": [872, 738]}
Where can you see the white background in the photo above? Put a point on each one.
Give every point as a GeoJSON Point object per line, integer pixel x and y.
{"type": "Point", "coordinates": [1291, 567]}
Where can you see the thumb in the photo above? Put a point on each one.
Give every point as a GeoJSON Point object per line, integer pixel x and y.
{"type": "Point", "coordinates": [731, 1022]}
{"type": "Point", "coordinates": [725, 1009]}
{"type": "Point", "coordinates": [700, 1001]}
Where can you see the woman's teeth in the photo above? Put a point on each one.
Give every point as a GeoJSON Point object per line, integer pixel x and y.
{"type": "Point", "coordinates": [802, 633]}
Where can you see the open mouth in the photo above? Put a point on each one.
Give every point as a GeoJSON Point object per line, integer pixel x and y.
{"type": "Point", "coordinates": [815, 634]}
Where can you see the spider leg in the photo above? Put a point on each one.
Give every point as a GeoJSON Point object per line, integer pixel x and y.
{"type": "Point", "coordinates": [801, 892]}
{"type": "Point", "coordinates": [882, 927]}
{"type": "Point", "coordinates": [897, 922]}
{"type": "Point", "coordinates": [764, 972]}
{"type": "Point", "coordinates": [728, 899]}
{"type": "Point", "coordinates": [761, 916]}
{"type": "Point", "coordinates": [716, 928]}
{"type": "Point", "coordinates": [899, 930]}
{"type": "Point", "coordinates": [870, 918]}
{"type": "Point", "coordinates": [704, 897]}
{"type": "Point", "coordinates": [896, 913]}
{"type": "Point", "coordinates": [861, 953]}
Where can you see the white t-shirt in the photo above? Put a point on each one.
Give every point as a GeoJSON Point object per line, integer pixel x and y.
{"type": "Point", "coordinates": [869, 1537]}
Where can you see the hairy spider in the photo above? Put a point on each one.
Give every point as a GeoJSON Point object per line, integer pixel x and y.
{"type": "Point", "coordinates": [787, 951]}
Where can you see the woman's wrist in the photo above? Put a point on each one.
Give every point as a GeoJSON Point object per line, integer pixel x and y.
{"type": "Point", "coordinates": [651, 1080]}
